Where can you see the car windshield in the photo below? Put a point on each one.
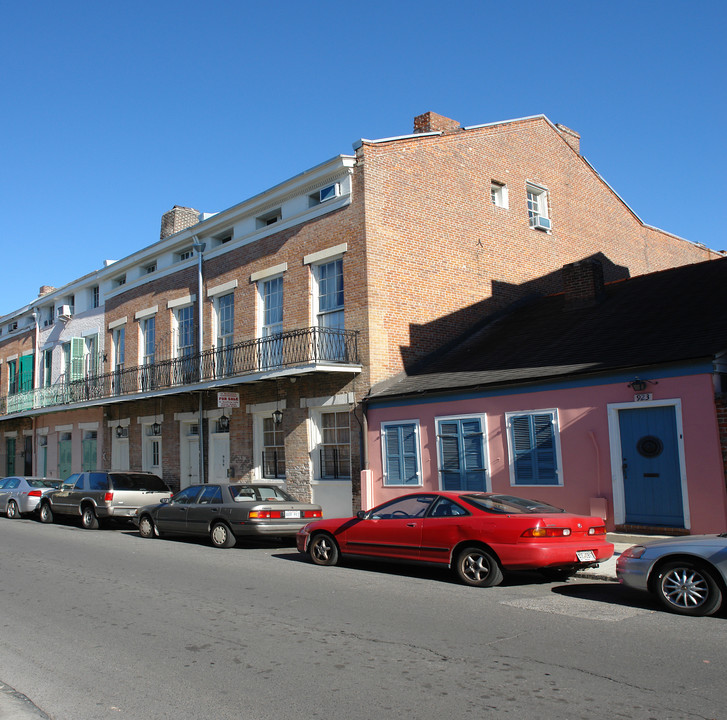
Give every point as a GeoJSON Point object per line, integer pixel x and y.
{"type": "Point", "coordinates": [509, 504]}
{"type": "Point", "coordinates": [138, 481]}
{"type": "Point", "coordinates": [258, 493]}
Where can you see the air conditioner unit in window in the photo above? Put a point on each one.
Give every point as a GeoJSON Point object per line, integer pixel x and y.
{"type": "Point", "coordinates": [64, 312]}
{"type": "Point", "coordinates": [540, 223]}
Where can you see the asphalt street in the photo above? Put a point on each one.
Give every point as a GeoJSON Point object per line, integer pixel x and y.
{"type": "Point", "coordinates": [104, 624]}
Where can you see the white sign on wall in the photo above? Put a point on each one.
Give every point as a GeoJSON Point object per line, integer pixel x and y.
{"type": "Point", "coordinates": [228, 399]}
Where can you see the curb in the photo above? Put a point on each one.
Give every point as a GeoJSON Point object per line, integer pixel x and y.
{"type": "Point", "coordinates": [16, 706]}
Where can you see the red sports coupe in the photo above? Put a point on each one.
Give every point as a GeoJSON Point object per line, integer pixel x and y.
{"type": "Point", "coordinates": [478, 534]}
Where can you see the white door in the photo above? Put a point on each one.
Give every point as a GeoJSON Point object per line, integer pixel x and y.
{"type": "Point", "coordinates": [219, 457]}
{"type": "Point", "coordinates": [189, 458]}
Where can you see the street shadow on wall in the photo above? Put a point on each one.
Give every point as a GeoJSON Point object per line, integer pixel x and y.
{"type": "Point", "coordinates": [432, 340]}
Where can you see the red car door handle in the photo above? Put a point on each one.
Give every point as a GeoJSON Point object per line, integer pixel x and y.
{"type": "Point", "coordinates": [411, 524]}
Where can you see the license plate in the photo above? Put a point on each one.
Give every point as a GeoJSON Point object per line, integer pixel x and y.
{"type": "Point", "coordinates": [292, 513]}
{"type": "Point", "coordinates": [586, 556]}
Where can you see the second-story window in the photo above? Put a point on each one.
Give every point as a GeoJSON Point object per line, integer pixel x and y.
{"type": "Point", "coordinates": [119, 348]}
{"type": "Point", "coordinates": [12, 377]}
{"type": "Point", "coordinates": [329, 314]}
{"type": "Point", "coordinates": [148, 340]}
{"type": "Point", "coordinates": [271, 292]}
{"type": "Point", "coordinates": [47, 367]}
{"type": "Point", "coordinates": [185, 331]}
{"type": "Point", "coordinates": [225, 306]}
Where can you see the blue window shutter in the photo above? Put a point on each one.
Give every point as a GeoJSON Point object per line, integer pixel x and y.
{"type": "Point", "coordinates": [402, 464]}
{"type": "Point", "coordinates": [462, 455]}
{"type": "Point", "coordinates": [533, 444]}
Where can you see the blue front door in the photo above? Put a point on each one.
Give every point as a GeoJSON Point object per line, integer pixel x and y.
{"type": "Point", "coordinates": [651, 471]}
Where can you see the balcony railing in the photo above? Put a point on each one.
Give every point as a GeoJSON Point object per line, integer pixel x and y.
{"type": "Point", "coordinates": [289, 349]}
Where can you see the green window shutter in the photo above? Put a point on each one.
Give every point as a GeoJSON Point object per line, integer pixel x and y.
{"type": "Point", "coordinates": [25, 375]}
{"type": "Point", "coordinates": [77, 352]}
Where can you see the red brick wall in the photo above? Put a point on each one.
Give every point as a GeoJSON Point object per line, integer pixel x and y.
{"type": "Point", "coordinates": [721, 403]}
{"type": "Point", "coordinates": [440, 254]}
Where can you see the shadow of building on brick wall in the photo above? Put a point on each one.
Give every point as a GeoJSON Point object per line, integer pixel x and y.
{"type": "Point", "coordinates": [429, 340]}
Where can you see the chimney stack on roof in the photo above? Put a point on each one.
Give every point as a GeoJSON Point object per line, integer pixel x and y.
{"type": "Point", "coordinates": [431, 122]}
{"type": "Point", "coordinates": [583, 283]}
{"type": "Point", "coordinates": [45, 289]}
{"type": "Point", "coordinates": [177, 219]}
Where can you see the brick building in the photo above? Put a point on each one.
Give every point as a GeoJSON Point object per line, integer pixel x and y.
{"type": "Point", "coordinates": [240, 344]}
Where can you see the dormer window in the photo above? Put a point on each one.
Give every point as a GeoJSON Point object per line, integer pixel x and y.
{"type": "Point", "coordinates": [120, 280]}
{"type": "Point", "coordinates": [152, 267]}
{"type": "Point", "coordinates": [185, 254]}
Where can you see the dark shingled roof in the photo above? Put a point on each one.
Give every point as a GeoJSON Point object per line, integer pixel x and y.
{"type": "Point", "coordinates": [671, 316]}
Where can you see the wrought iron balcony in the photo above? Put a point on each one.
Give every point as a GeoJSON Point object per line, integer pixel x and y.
{"type": "Point", "coordinates": [296, 348]}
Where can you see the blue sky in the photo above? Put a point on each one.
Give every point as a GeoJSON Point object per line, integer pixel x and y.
{"type": "Point", "coordinates": [113, 113]}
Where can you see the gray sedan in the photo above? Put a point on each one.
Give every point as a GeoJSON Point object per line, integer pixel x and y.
{"type": "Point", "coordinates": [226, 511]}
{"type": "Point", "coordinates": [688, 575]}
{"type": "Point", "coordinates": [20, 494]}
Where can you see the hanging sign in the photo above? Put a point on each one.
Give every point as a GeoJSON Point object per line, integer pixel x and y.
{"type": "Point", "coordinates": [228, 399]}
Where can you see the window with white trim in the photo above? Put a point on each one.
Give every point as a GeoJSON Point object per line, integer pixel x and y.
{"type": "Point", "coordinates": [225, 318]}
{"type": "Point", "coordinates": [273, 450]}
{"type": "Point", "coordinates": [498, 194]}
{"type": "Point", "coordinates": [271, 321]}
{"type": "Point", "coordinates": [538, 207]}
{"type": "Point", "coordinates": [461, 453]}
{"type": "Point", "coordinates": [329, 315]}
{"type": "Point", "coordinates": [534, 448]}
{"type": "Point", "coordinates": [333, 460]}
{"type": "Point", "coordinates": [400, 448]}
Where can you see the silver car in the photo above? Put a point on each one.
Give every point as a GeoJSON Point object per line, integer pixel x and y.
{"type": "Point", "coordinates": [688, 575]}
{"type": "Point", "coordinates": [20, 495]}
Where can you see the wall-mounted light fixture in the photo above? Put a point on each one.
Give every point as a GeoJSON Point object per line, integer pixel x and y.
{"type": "Point", "coordinates": [121, 432]}
{"type": "Point", "coordinates": [638, 385]}
{"type": "Point", "coordinates": [156, 429]}
{"type": "Point", "coordinates": [277, 416]}
{"type": "Point", "coordinates": [223, 424]}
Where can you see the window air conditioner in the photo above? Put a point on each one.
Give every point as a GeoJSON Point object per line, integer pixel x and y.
{"type": "Point", "coordinates": [540, 223]}
{"type": "Point", "coordinates": [64, 311]}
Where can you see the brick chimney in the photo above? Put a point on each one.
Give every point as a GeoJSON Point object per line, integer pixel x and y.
{"type": "Point", "coordinates": [583, 283]}
{"type": "Point", "coordinates": [45, 289]}
{"type": "Point", "coordinates": [178, 218]}
{"type": "Point", "coordinates": [431, 122]}
{"type": "Point", "coordinates": [570, 136]}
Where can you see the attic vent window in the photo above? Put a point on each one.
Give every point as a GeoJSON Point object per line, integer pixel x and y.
{"type": "Point", "coordinates": [498, 194]}
{"type": "Point", "coordinates": [185, 254]}
{"type": "Point", "coordinates": [120, 280]}
{"type": "Point", "coordinates": [150, 268]}
{"type": "Point", "coordinates": [324, 194]}
{"type": "Point", "coordinates": [269, 218]}
{"type": "Point", "coordinates": [12, 326]}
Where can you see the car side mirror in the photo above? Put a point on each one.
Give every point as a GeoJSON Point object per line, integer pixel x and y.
{"type": "Point", "coordinates": [165, 501]}
{"type": "Point", "coordinates": [361, 514]}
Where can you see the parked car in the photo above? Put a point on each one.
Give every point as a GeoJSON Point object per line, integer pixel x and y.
{"type": "Point", "coordinates": [97, 496]}
{"type": "Point", "coordinates": [479, 535]}
{"type": "Point", "coordinates": [20, 494]}
{"type": "Point", "coordinates": [688, 575]}
{"type": "Point", "coordinates": [226, 511]}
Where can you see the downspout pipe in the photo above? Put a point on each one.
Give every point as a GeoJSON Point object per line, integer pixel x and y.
{"type": "Point", "coordinates": [199, 247]}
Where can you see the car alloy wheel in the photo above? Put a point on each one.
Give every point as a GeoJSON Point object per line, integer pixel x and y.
{"type": "Point", "coordinates": [688, 589]}
{"type": "Point", "coordinates": [478, 568]}
{"type": "Point", "coordinates": [12, 511]}
{"type": "Point", "coordinates": [323, 550]}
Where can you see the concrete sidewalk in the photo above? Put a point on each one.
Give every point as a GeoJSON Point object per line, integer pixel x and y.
{"type": "Point", "coordinates": [16, 706]}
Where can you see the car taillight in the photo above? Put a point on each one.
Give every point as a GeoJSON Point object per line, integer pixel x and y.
{"type": "Point", "coordinates": [313, 514]}
{"type": "Point", "coordinates": [635, 551]}
{"type": "Point", "coordinates": [541, 532]}
{"type": "Point", "coordinates": [598, 530]}
{"type": "Point", "coordinates": [108, 497]}
{"type": "Point", "coordinates": [35, 493]}
{"type": "Point", "coordinates": [264, 514]}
